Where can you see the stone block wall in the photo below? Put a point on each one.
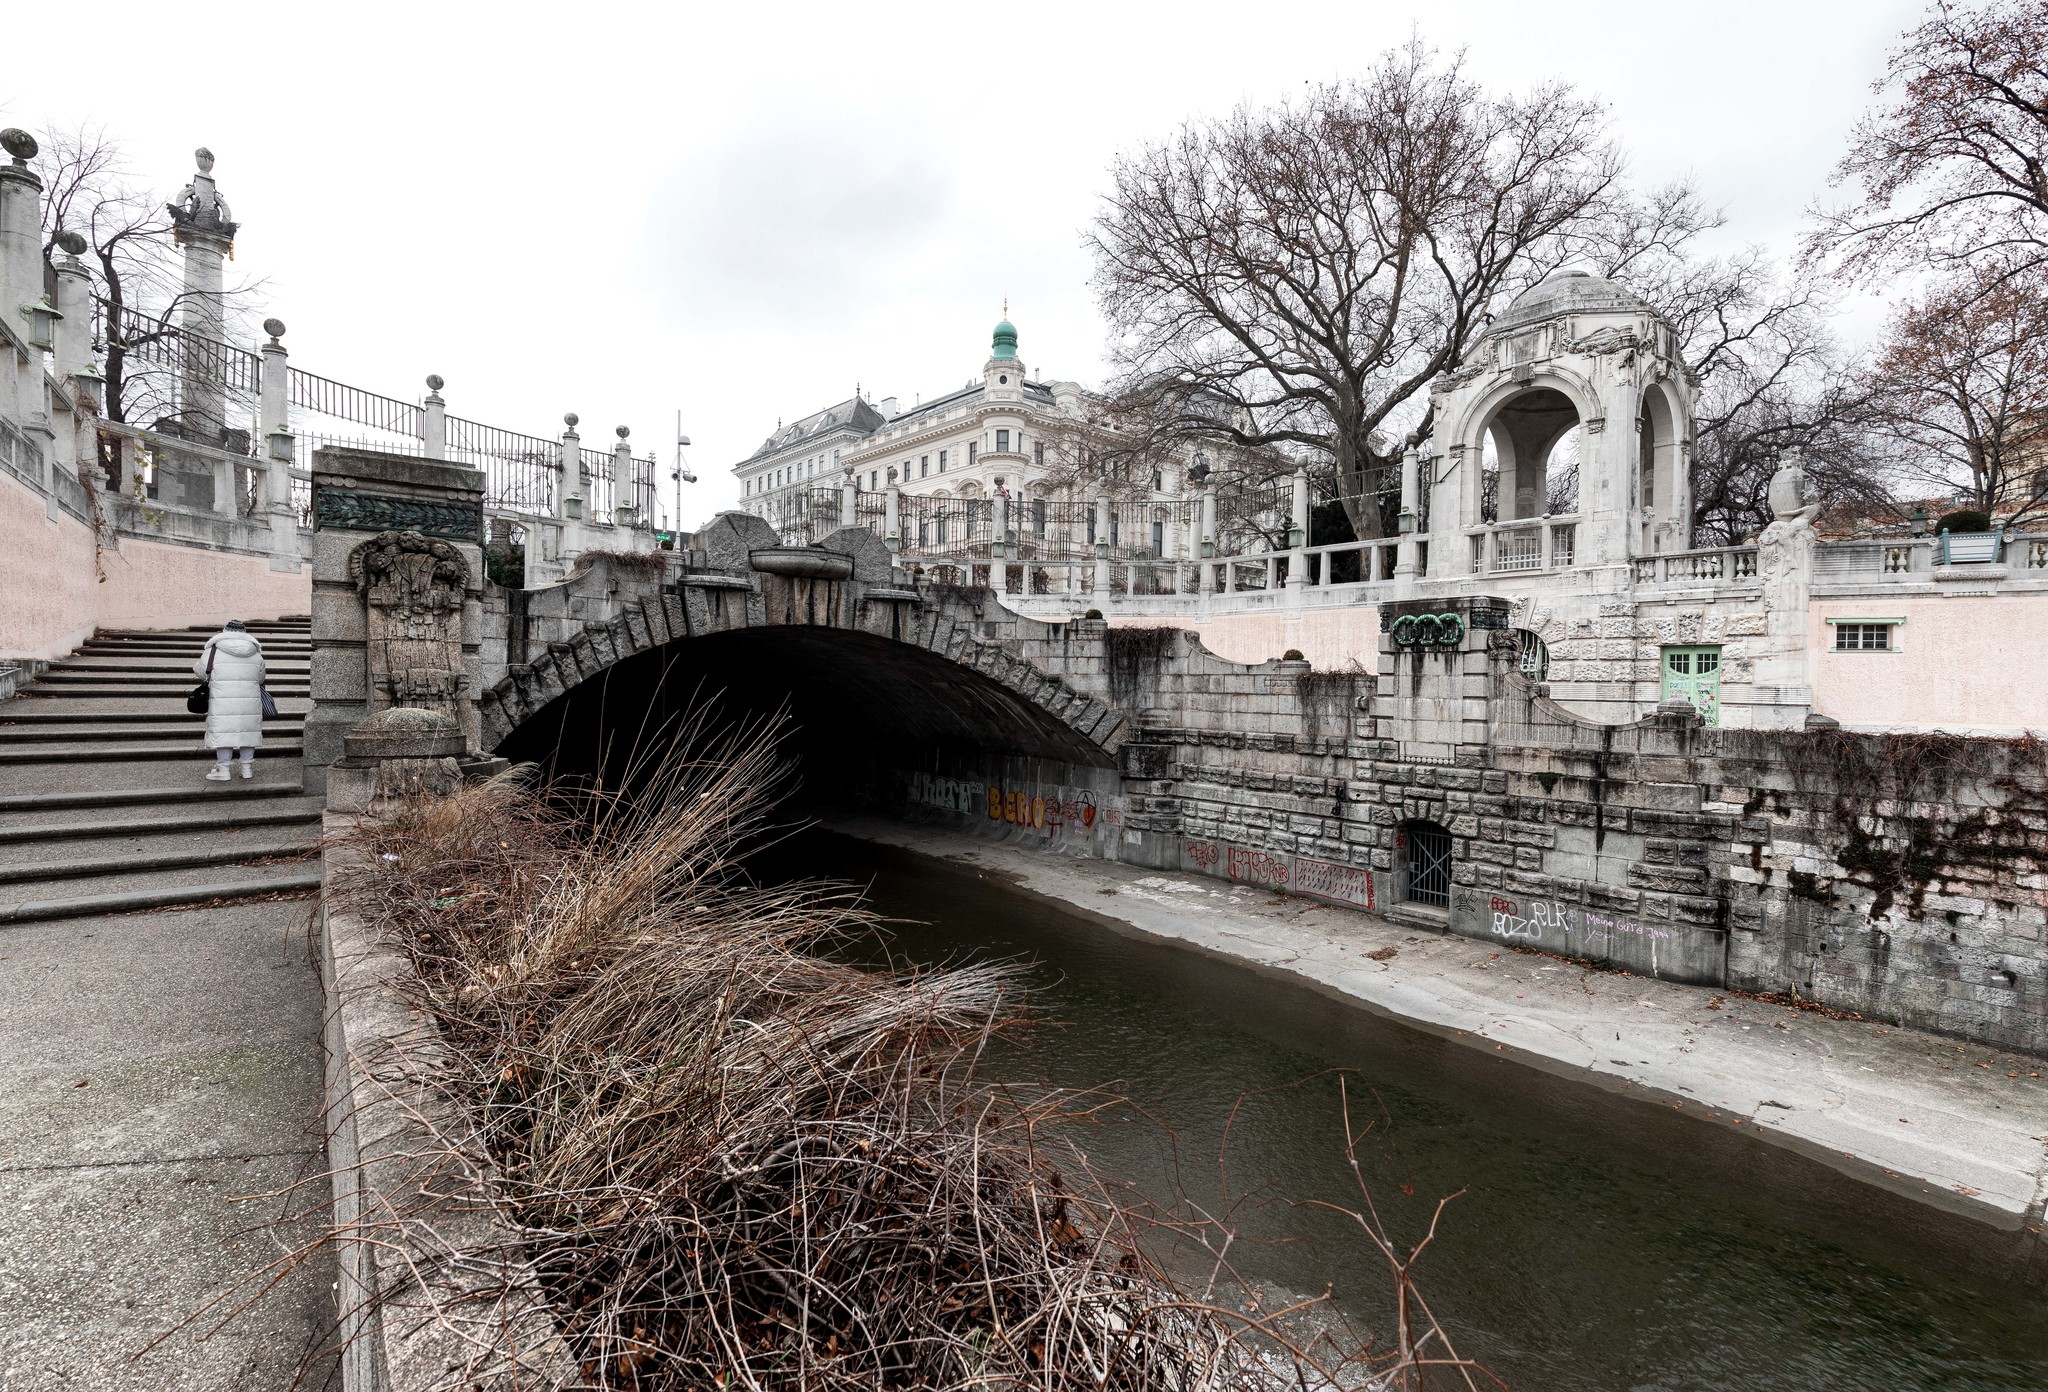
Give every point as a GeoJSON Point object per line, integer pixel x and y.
{"type": "Point", "coordinates": [1902, 877]}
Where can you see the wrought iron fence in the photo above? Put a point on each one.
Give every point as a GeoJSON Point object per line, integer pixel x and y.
{"type": "Point", "coordinates": [326, 397]}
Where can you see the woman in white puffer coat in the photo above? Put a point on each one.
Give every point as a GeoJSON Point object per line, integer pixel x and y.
{"type": "Point", "coordinates": [231, 663]}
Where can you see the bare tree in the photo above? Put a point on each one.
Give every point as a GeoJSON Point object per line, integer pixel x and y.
{"type": "Point", "coordinates": [1953, 166]}
{"type": "Point", "coordinates": [1291, 279]}
{"type": "Point", "coordinates": [1960, 385]}
{"type": "Point", "coordinates": [137, 274]}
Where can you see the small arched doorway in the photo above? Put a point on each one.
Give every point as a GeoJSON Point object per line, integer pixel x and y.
{"type": "Point", "coordinates": [1425, 851]}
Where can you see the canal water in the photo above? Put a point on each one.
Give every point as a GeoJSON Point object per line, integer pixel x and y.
{"type": "Point", "coordinates": [1601, 1242]}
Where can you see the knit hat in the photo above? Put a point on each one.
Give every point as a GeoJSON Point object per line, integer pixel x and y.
{"type": "Point", "coordinates": [237, 625]}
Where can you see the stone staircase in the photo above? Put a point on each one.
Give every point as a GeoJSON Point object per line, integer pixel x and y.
{"type": "Point", "coordinates": [104, 807]}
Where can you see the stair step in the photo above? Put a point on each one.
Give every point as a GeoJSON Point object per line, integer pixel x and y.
{"type": "Point", "coordinates": [300, 815]}
{"type": "Point", "coordinates": [284, 728]}
{"type": "Point", "coordinates": [145, 797]}
{"type": "Point", "coordinates": [129, 901]}
{"type": "Point", "coordinates": [59, 676]}
{"type": "Point", "coordinates": [15, 718]}
{"type": "Point", "coordinates": [89, 866]}
{"type": "Point", "coordinates": [62, 753]}
{"type": "Point", "coordinates": [70, 689]}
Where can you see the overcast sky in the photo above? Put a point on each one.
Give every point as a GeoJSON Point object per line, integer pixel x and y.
{"type": "Point", "coordinates": [739, 212]}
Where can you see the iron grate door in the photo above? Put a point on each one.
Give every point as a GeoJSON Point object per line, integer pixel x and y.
{"type": "Point", "coordinates": [1429, 864]}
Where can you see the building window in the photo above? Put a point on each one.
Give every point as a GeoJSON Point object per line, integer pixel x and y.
{"type": "Point", "coordinates": [942, 461]}
{"type": "Point", "coordinates": [1038, 517]}
{"type": "Point", "coordinates": [973, 452]}
{"type": "Point", "coordinates": [874, 480]}
{"type": "Point", "coordinates": [1038, 454]}
{"type": "Point", "coordinates": [1535, 660]}
{"type": "Point", "coordinates": [1864, 635]}
{"type": "Point", "coordinates": [1002, 442]}
{"type": "Point", "coordinates": [924, 466]}
{"type": "Point", "coordinates": [1158, 537]}
{"type": "Point", "coordinates": [1425, 851]}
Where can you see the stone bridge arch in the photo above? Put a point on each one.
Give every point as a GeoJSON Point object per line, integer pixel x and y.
{"type": "Point", "coordinates": [879, 660]}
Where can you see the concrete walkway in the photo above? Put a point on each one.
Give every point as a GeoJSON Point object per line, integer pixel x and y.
{"type": "Point", "coordinates": [1956, 1125]}
{"type": "Point", "coordinates": [157, 1069]}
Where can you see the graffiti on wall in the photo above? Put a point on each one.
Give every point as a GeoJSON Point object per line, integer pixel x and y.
{"type": "Point", "coordinates": [1560, 927]}
{"type": "Point", "coordinates": [1537, 922]}
{"type": "Point", "coordinates": [1053, 810]}
{"type": "Point", "coordinates": [1248, 866]}
{"type": "Point", "coordinates": [1341, 884]}
{"type": "Point", "coordinates": [1297, 874]}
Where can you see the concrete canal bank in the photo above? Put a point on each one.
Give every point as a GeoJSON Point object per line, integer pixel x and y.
{"type": "Point", "coordinates": [1952, 1124]}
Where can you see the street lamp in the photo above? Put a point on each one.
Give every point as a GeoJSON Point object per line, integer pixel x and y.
{"type": "Point", "coordinates": [42, 328]}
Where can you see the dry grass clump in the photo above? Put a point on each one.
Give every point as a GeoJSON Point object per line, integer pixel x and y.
{"type": "Point", "coordinates": [733, 1163]}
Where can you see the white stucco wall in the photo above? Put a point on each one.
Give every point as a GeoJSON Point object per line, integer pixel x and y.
{"type": "Point", "coordinates": [1963, 663]}
{"type": "Point", "coordinates": [54, 599]}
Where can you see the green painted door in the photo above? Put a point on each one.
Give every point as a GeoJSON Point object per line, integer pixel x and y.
{"type": "Point", "coordinates": [1695, 674]}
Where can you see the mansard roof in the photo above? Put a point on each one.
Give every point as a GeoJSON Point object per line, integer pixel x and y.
{"type": "Point", "coordinates": [1037, 392]}
{"type": "Point", "coordinates": [854, 415]}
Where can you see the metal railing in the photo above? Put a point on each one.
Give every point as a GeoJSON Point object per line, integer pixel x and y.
{"type": "Point", "coordinates": [325, 397]}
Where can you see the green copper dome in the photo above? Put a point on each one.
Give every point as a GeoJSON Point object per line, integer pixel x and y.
{"type": "Point", "coordinates": [1005, 340]}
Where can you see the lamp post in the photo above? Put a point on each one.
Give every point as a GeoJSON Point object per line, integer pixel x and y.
{"type": "Point", "coordinates": [682, 476]}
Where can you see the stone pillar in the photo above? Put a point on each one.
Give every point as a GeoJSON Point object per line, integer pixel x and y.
{"type": "Point", "coordinates": [892, 518]}
{"type": "Point", "coordinates": [74, 303]}
{"type": "Point", "coordinates": [200, 223]}
{"type": "Point", "coordinates": [1207, 546]}
{"type": "Point", "coordinates": [21, 236]}
{"type": "Point", "coordinates": [435, 423]}
{"type": "Point", "coordinates": [568, 467]}
{"type": "Point", "coordinates": [1297, 557]}
{"type": "Point", "coordinates": [999, 550]}
{"type": "Point", "coordinates": [276, 447]}
{"type": "Point", "coordinates": [1782, 686]}
{"type": "Point", "coordinates": [849, 502]}
{"type": "Point", "coordinates": [1405, 550]}
{"type": "Point", "coordinates": [1100, 586]}
{"type": "Point", "coordinates": [623, 493]}
{"type": "Point", "coordinates": [397, 587]}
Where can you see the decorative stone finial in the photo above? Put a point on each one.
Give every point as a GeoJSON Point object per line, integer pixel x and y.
{"type": "Point", "coordinates": [73, 243]}
{"type": "Point", "coordinates": [18, 143]}
{"type": "Point", "coordinates": [275, 328]}
{"type": "Point", "coordinates": [203, 157]}
{"type": "Point", "coordinates": [623, 431]}
{"type": "Point", "coordinates": [570, 420]}
{"type": "Point", "coordinates": [434, 382]}
{"type": "Point", "coordinates": [1791, 494]}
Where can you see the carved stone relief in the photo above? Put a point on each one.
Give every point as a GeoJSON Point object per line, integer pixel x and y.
{"type": "Point", "coordinates": [414, 587]}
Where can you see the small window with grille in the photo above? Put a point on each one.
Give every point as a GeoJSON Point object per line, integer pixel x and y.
{"type": "Point", "coordinates": [1863, 636]}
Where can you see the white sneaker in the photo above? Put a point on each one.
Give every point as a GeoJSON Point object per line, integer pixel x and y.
{"type": "Point", "coordinates": [217, 774]}
{"type": "Point", "coordinates": [248, 768]}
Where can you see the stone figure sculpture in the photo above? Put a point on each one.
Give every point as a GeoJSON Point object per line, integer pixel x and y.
{"type": "Point", "coordinates": [414, 587]}
{"type": "Point", "coordinates": [1785, 550]}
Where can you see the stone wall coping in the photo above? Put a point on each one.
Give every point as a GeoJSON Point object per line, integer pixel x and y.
{"type": "Point", "coordinates": [337, 466]}
{"type": "Point", "coordinates": [395, 1184]}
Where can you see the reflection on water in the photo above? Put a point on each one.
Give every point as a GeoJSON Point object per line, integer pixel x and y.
{"type": "Point", "coordinates": [1601, 1243]}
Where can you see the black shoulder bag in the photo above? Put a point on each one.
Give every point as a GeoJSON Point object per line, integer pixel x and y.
{"type": "Point", "coordinates": [202, 695]}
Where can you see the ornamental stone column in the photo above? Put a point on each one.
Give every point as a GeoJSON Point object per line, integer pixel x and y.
{"type": "Point", "coordinates": [201, 224]}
